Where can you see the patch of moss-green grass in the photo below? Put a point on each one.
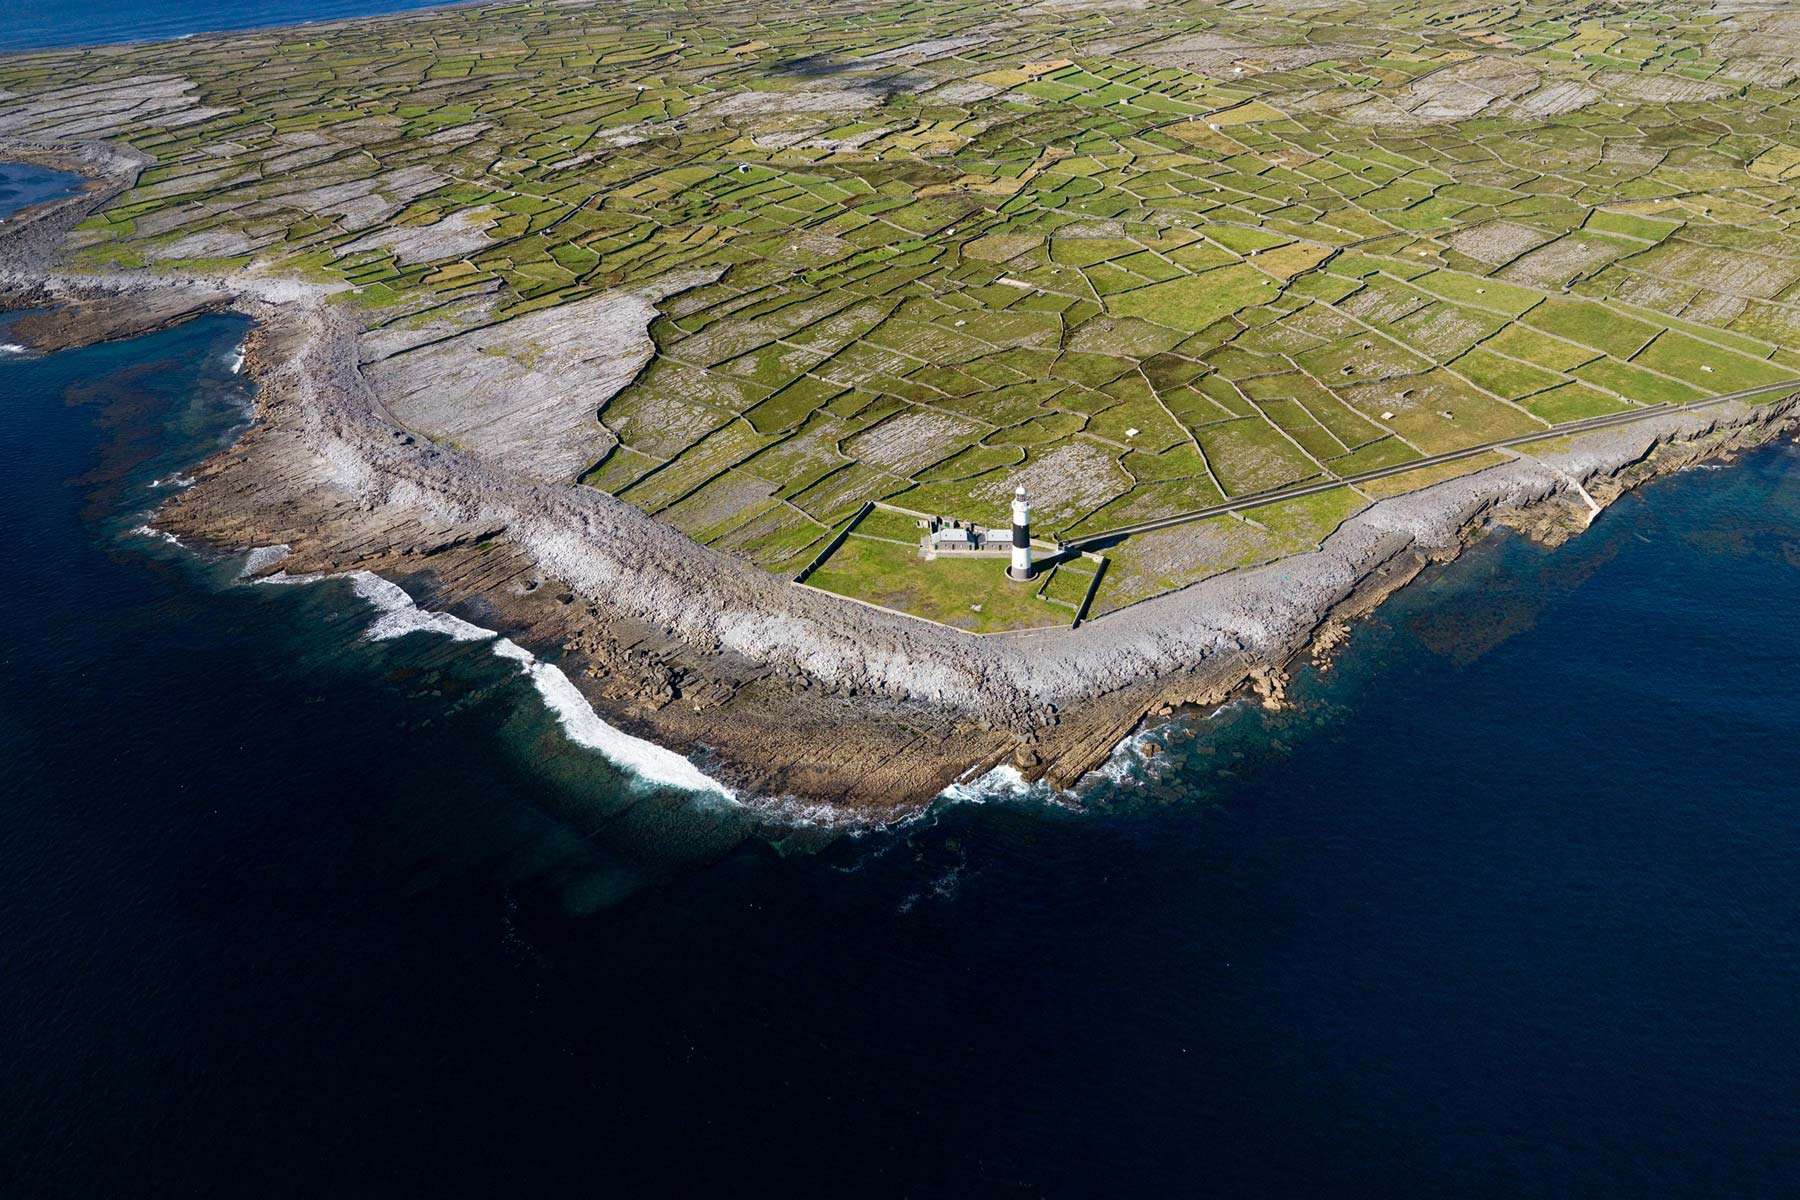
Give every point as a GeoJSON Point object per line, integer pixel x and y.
{"type": "Point", "coordinates": [1306, 521]}
{"type": "Point", "coordinates": [1196, 301]}
{"type": "Point", "coordinates": [1505, 377]}
{"type": "Point", "coordinates": [1706, 366]}
{"type": "Point", "coordinates": [1593, 325]}
{"type": "Point", "coordinates": [973, 594]}
{"type": "Point", "coordinates": [1529, 345]}
{"type": "Point", "coordinates": [1635, 383]}
{"type": "Point", "coordinates": [1250, 456]}
{"type": "Point", "coordinates": [1477, 291]}
{"type": "Point", "coordinates": [1385, 452]}
{"type": "Point", "coordinates": [1573, 402]}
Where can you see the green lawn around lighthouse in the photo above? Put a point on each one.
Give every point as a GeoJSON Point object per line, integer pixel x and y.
{"type": "Point", "coordinates": [879, 563]}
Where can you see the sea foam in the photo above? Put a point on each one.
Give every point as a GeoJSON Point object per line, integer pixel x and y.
{"type": "Point", "coordinates": [398, 615]}
{"type": "Point", "coordinates": [1127, 766]}
{"type": "Point", "coordinates": [159, 534]}
{"type": "Point", "coordinates": [264, 557]}
{"type": "Point", "coordinates": [1003, 782]}
{"type": "Point", "coordinates": [583, 726]}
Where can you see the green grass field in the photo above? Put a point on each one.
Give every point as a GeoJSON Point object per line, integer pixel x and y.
{"type": "Point", "coordinates": [968, 593]}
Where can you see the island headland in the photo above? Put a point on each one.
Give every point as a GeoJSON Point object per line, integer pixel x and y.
{"type": "Point", "coordinates": [803, 702]}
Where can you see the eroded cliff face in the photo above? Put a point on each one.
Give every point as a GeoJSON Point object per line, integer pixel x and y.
{"type": "Point", "coordinates": [791, 696]}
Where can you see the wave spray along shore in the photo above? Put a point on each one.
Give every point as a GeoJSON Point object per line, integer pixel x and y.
{"type": "Point", "coordinates": [398, 615]}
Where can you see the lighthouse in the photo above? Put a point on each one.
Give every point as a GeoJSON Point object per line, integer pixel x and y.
{"type": "Point", "coordinates": [1021, 537]}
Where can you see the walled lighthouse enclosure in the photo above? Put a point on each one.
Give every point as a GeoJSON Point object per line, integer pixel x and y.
{"type": "Point", "coordinates": [942, 569]}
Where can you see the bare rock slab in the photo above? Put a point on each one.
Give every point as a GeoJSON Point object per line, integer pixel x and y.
{"type": "Point", "coordinates": [525, 394]}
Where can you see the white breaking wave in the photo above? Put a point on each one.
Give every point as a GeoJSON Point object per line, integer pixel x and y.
{"type": "Point", "coordinates": [1004, 782]}
{"type": "Point", "coordinates": [1127, 759]}
{"type": "Point", "coordinates": [11, 348]}
{"type": "Point", "coordinates": [174, 481]}
{"type": "Point", "coordinates": [399, 615]}
{"type": "Point", "coordinates": [583, 726]}
{"type": "Point", "coordinates": [164, 535]}
{"type": "Point", "coordinates": [284, 577]}
{"type": "Point", "coordinates": [237, 359]}
{"type": "Point", "coordinates": [264, 556]}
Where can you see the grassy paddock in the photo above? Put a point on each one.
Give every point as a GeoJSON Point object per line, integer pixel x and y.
{"type": "Point", "coordinates": [968, 593]}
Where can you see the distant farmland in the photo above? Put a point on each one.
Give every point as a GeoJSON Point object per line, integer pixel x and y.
{"type": "Point", "coordinates": [1142, 260]}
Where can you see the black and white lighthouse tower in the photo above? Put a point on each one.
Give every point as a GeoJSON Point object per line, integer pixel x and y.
{"type": "Point", "coordinates": [1021, 537]}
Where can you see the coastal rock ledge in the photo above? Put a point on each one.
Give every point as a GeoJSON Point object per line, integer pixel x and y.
{"type": "Point", "coordinates": [815, 705]}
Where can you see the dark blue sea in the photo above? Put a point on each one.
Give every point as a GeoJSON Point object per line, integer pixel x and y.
{"type": "Point", "coordinates": [40, 24]}
{"type": "Point", "coordinates": [1507, 905]}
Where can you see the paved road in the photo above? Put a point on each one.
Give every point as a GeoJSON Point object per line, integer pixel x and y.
{"type": "Point", "coordinates": [1097, 541]}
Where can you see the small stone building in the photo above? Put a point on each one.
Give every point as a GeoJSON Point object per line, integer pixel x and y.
{"type": "Point", "coordinates": [944, 536]}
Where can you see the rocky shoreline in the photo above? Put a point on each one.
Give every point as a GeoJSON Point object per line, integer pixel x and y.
{"type": "Point", "coordinates": [819, 706]}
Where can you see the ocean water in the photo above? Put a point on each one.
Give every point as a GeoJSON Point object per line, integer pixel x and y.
{"type": "Point", "coordinates": [23, 184]}
{"type": "Point", "coordinates": [40, 24]}
{"type": "Point", "coordinates": [1505, 905]}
